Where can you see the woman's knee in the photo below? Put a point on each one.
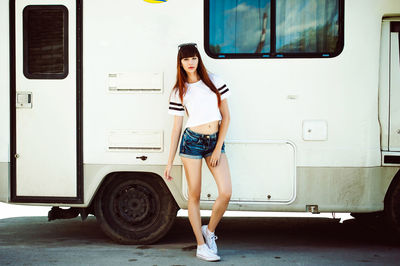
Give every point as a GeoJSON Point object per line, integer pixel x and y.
{"type": "Point", "coordinates": [225, 194]}
{"type": "Point", "coordinates": [194, 196]}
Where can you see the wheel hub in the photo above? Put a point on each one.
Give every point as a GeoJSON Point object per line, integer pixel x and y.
{"type": "Point", "coordinates": [133, 204]}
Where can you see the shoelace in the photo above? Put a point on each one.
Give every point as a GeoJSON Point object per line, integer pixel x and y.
{"type": "Point", "coordinates": [212, 243]}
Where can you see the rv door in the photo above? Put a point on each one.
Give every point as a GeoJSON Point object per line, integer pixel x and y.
{"type": "Point", "coordinates": [46, 154]}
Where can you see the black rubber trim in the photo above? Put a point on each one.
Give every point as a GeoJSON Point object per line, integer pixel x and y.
{"type": "Point", "coordinates": [273, 29]}
{"type": "Point", "coordinates": [13, 184]}
{"type": "Point", "coordinates": [272, 54]}
{"type": "Point", "coordinates": [79, 100]}
{"type": "Point", "coordinates": [79, 108]}
{"type": "Point", "coordinates": [25, 44]}
{"type": "Point", "coordinates": [395, 26]}
{"type": "Point", "coordinates": [391, 159]}
{"type": "Point", "coordinates": [58, 200]}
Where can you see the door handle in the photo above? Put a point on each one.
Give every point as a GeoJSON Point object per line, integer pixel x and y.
{"type": "Point", "coordinates": [143, 158]}
{"type": "Point", "coordinates": [24, 99]}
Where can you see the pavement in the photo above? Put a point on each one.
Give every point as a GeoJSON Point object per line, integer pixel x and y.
{"type": "Point", "coordinates": [242, 241]}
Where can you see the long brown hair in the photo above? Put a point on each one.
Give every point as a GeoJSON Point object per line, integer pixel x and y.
{"type": "Point", "coordinates": [181, 76]}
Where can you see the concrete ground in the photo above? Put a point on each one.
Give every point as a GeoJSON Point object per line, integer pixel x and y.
{"type": "Point", "coordinates": [242, 241]}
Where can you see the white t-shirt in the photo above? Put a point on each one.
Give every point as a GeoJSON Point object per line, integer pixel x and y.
{"type": "Point", "coordinates": [200, 102]}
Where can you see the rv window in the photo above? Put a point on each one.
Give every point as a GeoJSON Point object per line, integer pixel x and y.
{"type": "Point", "coordinates": [45, 41]}
{"type": "Point", "coordinates": [273, 29]}
{"type": "Point", "coordinates": [239, 27]}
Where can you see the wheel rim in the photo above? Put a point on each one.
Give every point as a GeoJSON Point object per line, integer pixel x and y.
{"type": "Point", "coordinates": [134, 205]}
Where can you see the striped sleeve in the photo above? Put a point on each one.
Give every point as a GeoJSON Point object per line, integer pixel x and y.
{"type": "Point", "coordinates": [221, 86]}
{"type": "Point", "coordinates": [175, 105]}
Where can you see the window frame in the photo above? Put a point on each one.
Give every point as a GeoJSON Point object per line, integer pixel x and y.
{"type": "Point", "coordinates": [25, 24]}
{"type": "Point", "coordinates": [272, 54]}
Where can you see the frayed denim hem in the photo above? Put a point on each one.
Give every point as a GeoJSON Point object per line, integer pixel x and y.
{"type": "Point", "coordinates": [190, 156]}
{"type": "Point", "coordinates": [209, 154]}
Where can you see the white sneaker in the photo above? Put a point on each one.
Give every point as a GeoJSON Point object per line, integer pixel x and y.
{"type": "Point", "coordinates": [210, 239]}
{"type": "Point", "coordinates": [204, 253]}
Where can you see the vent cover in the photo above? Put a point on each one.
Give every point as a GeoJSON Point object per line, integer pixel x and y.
{"type": "Point", "coordinates": [136, 82]}
{"type": "Point", "coordinates": [135, 140]}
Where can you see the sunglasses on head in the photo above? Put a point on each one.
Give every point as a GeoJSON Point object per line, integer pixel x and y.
{"type": "Point", "coordinates": [187, 44]}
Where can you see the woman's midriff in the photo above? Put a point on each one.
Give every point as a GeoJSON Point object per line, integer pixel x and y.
{"type": "Point", "coordinates": [208, 128]}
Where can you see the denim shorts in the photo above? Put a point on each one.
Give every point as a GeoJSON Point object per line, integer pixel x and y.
{"type": "Point", "coordinates": [196, 146]}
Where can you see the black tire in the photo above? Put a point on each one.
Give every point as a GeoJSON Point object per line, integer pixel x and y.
{"type": "Point", "coordinates": [135, 208]}
{"type": "Point", "coordinates": [392, 204]}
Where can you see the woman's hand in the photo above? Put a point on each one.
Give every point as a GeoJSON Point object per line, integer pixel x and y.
{"type": "Point", "coordinates": [167, 171]}
{"type": "Point", "coordinates": [214, 160]}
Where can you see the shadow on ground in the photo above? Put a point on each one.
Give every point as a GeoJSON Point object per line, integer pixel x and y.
{"type": "Point", "coordinates": [248, 232]}
{"type": "Point", "coordinates": [276, 231]}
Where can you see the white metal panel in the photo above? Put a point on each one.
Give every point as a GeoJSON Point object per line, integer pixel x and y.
{"type": "Point", "coordinates": [394, 137]}
{"type": "Point", "coordinates": [4, 182]}
{"type": "Point", "coordinates": [133, 36]}
{"type": "Point", "coordinates": [46, 134]}
{"type": "Point", "coordinates": [135, 140]}
{"type": "Point", "coordinates": [384, 86]}
{"type": "Point", "coordinates": [260, 170]}
{"type": "Point", "coordinates": [4, 84]}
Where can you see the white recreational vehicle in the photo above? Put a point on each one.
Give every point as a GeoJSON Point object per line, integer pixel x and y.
{"type": "Point", "coordinates": [315, 106]}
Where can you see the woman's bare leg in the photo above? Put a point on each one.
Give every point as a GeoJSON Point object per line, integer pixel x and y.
{"type": "Point", "coordinates": [193, 177]}
{"type": "Point", "coordinates": [222, 177]}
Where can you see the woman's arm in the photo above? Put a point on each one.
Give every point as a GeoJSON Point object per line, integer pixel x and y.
{"type": "Point", "coordinates": [175, 135]}
{"type": "Point", "coordinates": [223, 129]}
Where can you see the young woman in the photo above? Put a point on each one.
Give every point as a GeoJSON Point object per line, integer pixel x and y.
{"type": "Point", "coordinates": [203, 96]}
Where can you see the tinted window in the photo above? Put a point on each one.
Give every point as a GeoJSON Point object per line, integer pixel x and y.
{"type": "Point", "coordinates": [307, 26]}
{"type": "Point", "coordinates": [272, 28]}
{"type": "Point", "coordinates": [239, 26]}
{"type": "Point", "coordinates": [45, 42]}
